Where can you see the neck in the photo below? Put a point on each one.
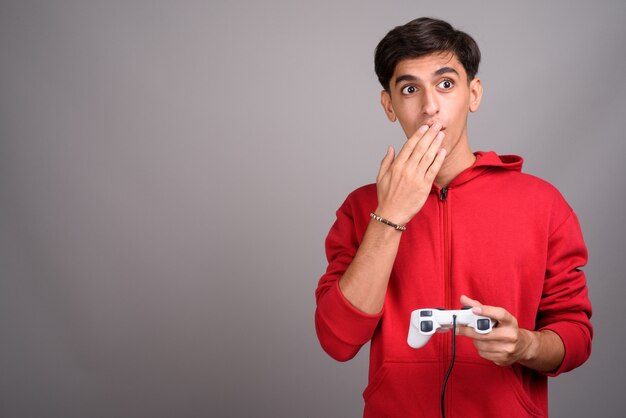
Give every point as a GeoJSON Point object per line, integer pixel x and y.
{"type": "Point", "coordinates": [457, 160]}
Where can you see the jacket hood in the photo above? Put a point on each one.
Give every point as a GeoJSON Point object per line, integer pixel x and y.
{"type": "Point", "coordinates": [485, 161]}
{"type": "Point", "coordinates": [491, 159]}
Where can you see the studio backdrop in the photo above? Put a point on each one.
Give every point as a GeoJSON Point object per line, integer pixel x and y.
{"type": "Point", "coordinates": [169, 170]}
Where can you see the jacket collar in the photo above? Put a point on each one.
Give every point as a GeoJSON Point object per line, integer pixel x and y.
{"type": "Point", "coordinates": [491, 159]}
{"type": "Point", "coordinates": [485, 161]}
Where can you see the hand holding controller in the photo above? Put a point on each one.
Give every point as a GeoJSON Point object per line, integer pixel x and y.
{"type": "Point", "coordinates": [425, 322]}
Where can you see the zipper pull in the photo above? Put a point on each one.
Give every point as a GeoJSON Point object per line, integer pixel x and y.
{"type": "Point", "coordinates": [444, 194]}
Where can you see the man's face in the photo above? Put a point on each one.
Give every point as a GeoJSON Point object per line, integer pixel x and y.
{"type": "Point", "coordinates": [429, 89]}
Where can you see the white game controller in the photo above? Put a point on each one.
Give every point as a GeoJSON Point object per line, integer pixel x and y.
{"type": "Point", "coordinates": [425, 322]}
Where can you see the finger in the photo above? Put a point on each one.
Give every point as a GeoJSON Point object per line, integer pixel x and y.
{"type": "Point", "coordinates": [488, 348]}
{"type": "Point", "coordinates": [385, 163]}
{"type": "Point", "coordinates": [424, 143]}
{"type": "Point", "coordinates": [409, 145]}
{"type": "Point", "coordinates": [492, 351]}
{"type": "Point", "coordinates": [500, 315]}
{"type": "Point", "coordinates": [466, 332]}
{"type": "Point", "coordinates": [434, 168]}
{"type": "Point", "coordinates": [496, 334]}
{"type": "Point", "coordinates": [471, 333]}
{"type": "Point", "coordinates": [467, 301]}
{"type": "Point", "coordinates": [492, 347]}
{"type": "Point", "coordinates": [430, 155]}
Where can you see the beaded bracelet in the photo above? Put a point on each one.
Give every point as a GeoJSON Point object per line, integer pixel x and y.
{"type": "Point", "coordinates": [386, 222]}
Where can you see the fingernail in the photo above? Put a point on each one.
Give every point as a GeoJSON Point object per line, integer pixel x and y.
{"type": "Point", "coordinates": [443, 152]}
{"type": "Point", "coordinates": [477, 310]}
{"type": "Point", "coordinates": [440, 136]}
{"type": "Point", "coordinates": [437, 125]}
{"type": "Point", "coordinates": [423, 128]}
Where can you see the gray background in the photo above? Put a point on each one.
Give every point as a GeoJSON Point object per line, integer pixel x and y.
{"type": "Point", "coordinates": [169, 170]}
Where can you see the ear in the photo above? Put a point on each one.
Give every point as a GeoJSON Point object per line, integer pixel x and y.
{"type": "Point", "coordinates": [385, 101]}
{"type": "Point", "coordinates": [476, 94]}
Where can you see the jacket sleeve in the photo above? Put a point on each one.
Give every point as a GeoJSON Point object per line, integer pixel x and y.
{"type": "Point", "coordinates": [565, 307]}
{"type": "Point", "coordinates": [341, 328]}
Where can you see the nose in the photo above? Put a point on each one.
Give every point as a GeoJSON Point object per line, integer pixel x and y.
{"type": "Point", "coordinates": [430, 104]}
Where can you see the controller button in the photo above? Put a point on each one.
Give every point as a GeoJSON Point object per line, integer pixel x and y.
{"type": "Point", "coordinates": [426, 313]}
{"type": "Point", "coordinates": [483, 324]}
{"type": "Point", "coordinates": [426, 326]}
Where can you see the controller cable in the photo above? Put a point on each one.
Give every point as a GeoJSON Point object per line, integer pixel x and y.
{"type": "Point", "coordinates": [445, 380]}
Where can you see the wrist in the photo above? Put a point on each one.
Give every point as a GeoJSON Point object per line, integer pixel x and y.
{"type": "Point", "coordinates": [392, 216]}
{"type": "Point", "coordinates": [532, 344]}
{"type": "Point", "coordinates": [387, 222]}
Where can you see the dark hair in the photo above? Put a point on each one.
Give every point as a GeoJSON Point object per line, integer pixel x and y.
{"type": "Point", "coordinates": [421, 37]}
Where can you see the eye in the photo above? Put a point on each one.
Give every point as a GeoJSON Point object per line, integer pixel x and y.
{"type": "Point", "coordinates": [409, 90]}
{"type": "Point", "coordinates": [446, 84]}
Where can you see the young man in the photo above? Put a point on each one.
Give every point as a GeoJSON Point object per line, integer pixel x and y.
{"type": "Point", "coordinates": [478, 233]}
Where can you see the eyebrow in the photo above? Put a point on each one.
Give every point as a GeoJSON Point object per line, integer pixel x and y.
{"type": "Point", "coordinates": [445, 70]}
{"type": "Point", "coordinates": [442, 70]}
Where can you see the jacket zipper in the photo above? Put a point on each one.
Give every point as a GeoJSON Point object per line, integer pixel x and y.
{"type": "Point", "coordinates": [447, 285]}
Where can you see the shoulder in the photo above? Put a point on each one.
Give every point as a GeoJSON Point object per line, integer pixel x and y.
{"type": "Point", "coordinates": [365, 192]}
{"type": "Point", "coordinates": [536, 186]}
{"type": "Point", "coordinates": [352, 217]}
{"type": "Point", "coordinates": [358, 205]}
{"type": "Point", "coordinates": [531, 183]}
{"type": "Point", "coordinates": [364, 197]}
{"type": "Point", "coordinates": [535, 194]}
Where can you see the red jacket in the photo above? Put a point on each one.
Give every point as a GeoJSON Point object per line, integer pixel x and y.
{"type": "Point", "coordinates": [496, 235]}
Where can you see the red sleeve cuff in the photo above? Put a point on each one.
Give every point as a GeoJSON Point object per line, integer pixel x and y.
{"type": "Point", "coordinates": [577, 343]}
{"type": "Point", "coordinates": [342, 329]}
